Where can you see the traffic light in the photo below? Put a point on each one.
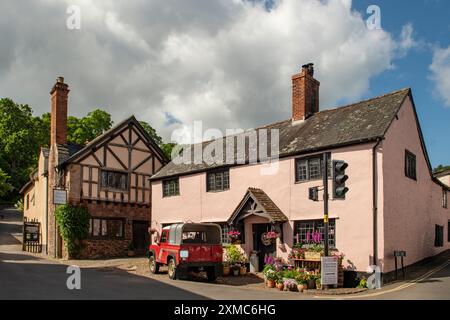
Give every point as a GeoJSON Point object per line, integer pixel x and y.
{"type": "Point", "coordinates": [339, 178]}
{"type": "Point", "coordinates": [314, 193]}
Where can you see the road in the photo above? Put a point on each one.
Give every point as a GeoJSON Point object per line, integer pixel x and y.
{"type": "Point", "coordinates": [26, 276]}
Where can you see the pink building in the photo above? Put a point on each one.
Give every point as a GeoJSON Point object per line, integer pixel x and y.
{"type": "Point", "coordinates": [393, 202]}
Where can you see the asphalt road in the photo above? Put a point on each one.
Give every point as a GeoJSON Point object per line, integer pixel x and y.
{"type": "Point", "coordinates": [25, 276]}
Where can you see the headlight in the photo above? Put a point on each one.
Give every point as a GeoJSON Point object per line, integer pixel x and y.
{"type": "Point", "coordinates": [184, 254]}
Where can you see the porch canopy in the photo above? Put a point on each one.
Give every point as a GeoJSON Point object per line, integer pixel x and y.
{"type": "Point", "coordinates": [257, 202]}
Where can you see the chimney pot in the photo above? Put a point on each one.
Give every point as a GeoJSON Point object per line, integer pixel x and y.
{"type": "Point", "coordinates": [60, 79]}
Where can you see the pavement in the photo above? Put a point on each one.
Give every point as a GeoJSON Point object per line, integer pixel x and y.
{"type": "Point", "coordinates": [33, 276]}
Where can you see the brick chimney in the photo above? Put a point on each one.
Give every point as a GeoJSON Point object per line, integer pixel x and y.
{"type": "Point", "coordinates": [305, 93]}
{"type": "Point", "coordinates": [58, 125]}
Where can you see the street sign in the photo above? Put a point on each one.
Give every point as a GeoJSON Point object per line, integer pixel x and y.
{"type": "Point", "coordinates": [59, 196]}
{"type": "Point", "coordinates": [329, 271]}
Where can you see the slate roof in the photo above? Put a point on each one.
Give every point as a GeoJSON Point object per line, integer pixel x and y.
{"type": "Point", "coordinates": [259, 196]}
{"type": "Point", "coordinates": [356, 123]}
{"type": "Point", "coordinates": [65, 151]}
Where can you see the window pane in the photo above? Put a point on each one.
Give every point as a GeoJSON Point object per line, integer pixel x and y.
{"type": "Point", "coordinates": [219, 177]}
{"type": "Point", "coordinates": [226, 180]}
{"type": "Point", "coordinates": [104, 228]}
{"type": "Point", "coordinates": [314, 169]}
{"type": "Point", "coordinates": [302, 170]}
{"type": "Point", "coordinates": [211, 181]}
{"type": "Point", "coordinates": [114, 228]}
{"type": "Point", "coordinates": [96, 228]}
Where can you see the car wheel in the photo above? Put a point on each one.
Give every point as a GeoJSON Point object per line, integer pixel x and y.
{"type": "Point", "coordinates": [211, 274]}
{"type": "Point", "coordinates": [154, 266]}
{"type": "Point", "coordinates": [172, 269]}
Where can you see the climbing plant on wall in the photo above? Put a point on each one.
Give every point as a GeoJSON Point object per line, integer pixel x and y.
{"type": "Point", "coordinates": [73, 223]}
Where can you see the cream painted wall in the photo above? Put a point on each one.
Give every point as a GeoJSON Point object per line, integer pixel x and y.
{"type": "Point", "coordinates": [37, 208]}
{"type": "Point", "coordinates": [411, 208]}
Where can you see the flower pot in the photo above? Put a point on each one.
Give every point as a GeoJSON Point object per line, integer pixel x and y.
{"type": "Point", "coordinates": [226, 271]}
{"type": "Point", "coordinates": [130, 253]}
{"type": "Point", "coordinates": [280, 286]}
{"type": "Point", "coordinates": [243, 271]}
{"type": "Point", "coordinates": [318, 286]}
{"type": "Point", "coordinates": [301, 287]}
{"type": "Point", "coordinates": [271, 283]}
{"type": "Point", "coordinates": [235, 272]}
{"type": "Point", "coordinates": [311, 284]}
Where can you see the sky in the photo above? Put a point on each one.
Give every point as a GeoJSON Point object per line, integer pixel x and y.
{"type": "Point", "coordinates": [227, 63]}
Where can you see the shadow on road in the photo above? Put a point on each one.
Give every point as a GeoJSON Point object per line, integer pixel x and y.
{"type": "Point", "coordinates": [27, 277]}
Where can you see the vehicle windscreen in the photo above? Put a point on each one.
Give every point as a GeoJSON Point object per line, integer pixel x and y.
{"type": "Point", "coordinates": [208, 235]}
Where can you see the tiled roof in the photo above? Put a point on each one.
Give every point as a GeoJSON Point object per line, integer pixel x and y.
{"type": "Point", "coordinates": [271, 210]}
{"type": "Point", "coordinates": [361, 122]}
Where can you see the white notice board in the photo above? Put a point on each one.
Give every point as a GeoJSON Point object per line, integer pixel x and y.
{"type": "Point", "coordinates": [329, 271]}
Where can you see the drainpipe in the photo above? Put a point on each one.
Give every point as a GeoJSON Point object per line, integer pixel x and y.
{"type": "Point", "coordinates": [375, 201]}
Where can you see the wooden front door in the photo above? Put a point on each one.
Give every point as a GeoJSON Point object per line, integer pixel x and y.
{"type": "Point", "coordinates": [140, 236]}
{"type": "Point", "coordinates": [259, 246]}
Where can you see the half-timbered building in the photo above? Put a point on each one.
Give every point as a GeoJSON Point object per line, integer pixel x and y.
{"type": "Point", "coordinates": [109, 175]}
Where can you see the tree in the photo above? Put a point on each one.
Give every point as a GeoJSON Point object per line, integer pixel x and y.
{"type": "Point", "coordinates": [5, 186]}
{"type": "Point", "coordinates": [440, 168]}
{"type": "Point", "coordinates": [19, 141]}
{"type": "Point", "coordinates": [165, 147]}
{"type": "Point", "coordinates": [81, 131]}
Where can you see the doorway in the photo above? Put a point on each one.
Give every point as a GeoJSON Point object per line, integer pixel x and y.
{"type": "Point", "coordinates": [140, 236]}
{"type": "Point", "coordinates": [259, 246]}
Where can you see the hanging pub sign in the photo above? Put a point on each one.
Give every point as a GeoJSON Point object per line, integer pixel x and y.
{"type": "Point", "coordinates": [59, 196]}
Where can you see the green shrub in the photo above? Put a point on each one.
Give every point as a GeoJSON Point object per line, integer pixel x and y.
{"type": "Point", "coordinates": [73, 223]}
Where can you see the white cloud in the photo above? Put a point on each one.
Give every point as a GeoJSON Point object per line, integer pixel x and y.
{"type": "Point", "coordinates": [228, 63]}
{"type": "Point", "coordinates": [440, 73]}
{"type": "Point", "coordinates": [407, 41]}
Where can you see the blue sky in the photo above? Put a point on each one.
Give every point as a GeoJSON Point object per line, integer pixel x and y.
{"type": "Point", "coordinates": [431, 24]}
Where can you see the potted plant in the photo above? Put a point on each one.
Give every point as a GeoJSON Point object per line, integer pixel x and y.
{"type": "Point", "coordinates": [235, 258]}
{"type": "Point", "coordinates": [130, 252]}
{"type": "Point", "coordinates": [271, 277]}
{"type": "Point", "coordinates": [302, 282]}
{"type": "Point", "coordinates": [290, 285]}
{"type": "Point", "coordinates": [234, 235]}
{"type": "Point", "coordinates": [243, 268]}
{"type": "Point", "coordinates": [226, 268]}
{"type": "Point", "coordinates": [279, 284]}
{"type": "Point", "coordinates": [318, 283]}
{"type": "Point", "coordinates": [311, 280]}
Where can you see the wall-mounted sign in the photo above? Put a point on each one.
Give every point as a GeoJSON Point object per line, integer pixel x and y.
{"type": "Point", "coordinates": [329, 272]}
{"type": "Point", "coordinates": [59, 196]}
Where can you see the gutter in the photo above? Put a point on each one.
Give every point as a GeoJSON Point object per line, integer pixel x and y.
{"type": "Point", "coordinates": [375, 201]}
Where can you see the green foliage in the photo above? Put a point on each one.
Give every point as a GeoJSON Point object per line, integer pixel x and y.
{"type": "Point", "coordinates": [19, 205]}
{"type": "Point", "coordinates": [73, 223]}
{"type": "Point", "coordinates": [290, 274]}
{"type": "Point", "coordinates": [362, 283]}
{"type": "Point", "coordinates": [80, 131]}
{"type": "Point", "coordinates": [165, 147]}
{"type": "Point", "coordinates": [234, 255]}
{"type": "Point", "coordinates": [440, 168]}
{"type": "Point", "coordinates": [5, 186]}
{"type": "Point", "coordinates": [19, 143]}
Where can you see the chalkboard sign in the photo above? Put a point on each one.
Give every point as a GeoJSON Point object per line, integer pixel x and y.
{"type": "Point", "coordinates": [31, 231]}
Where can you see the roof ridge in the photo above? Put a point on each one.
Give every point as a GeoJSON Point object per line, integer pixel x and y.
{"type": "Point", "coordinates": [366, 100]}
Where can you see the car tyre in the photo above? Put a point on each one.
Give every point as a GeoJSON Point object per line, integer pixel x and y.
{"type": "Point", "coordinates": [172, 269]}
{"type": "Point", "coordinates": [154, 266]}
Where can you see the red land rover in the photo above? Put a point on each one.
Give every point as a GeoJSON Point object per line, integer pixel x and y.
{"type": "Point", "coordinates": [185, 247]}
